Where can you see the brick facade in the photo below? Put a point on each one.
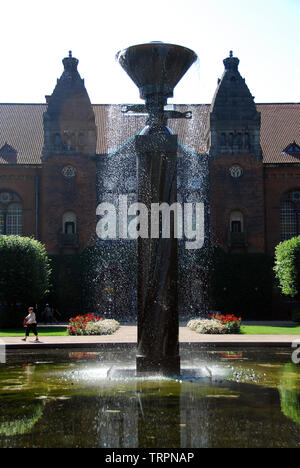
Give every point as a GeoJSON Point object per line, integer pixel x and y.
{"type": "Point", "coordinates": [59, 195]}
{"type": "Point", "coordinates": [24, 182]}
{"type": "Point", "coordinates": [50, 155]}
{"type": "Point", "coordinates": [278, 180]}
{"type": "Point", "coordinates": [229, 194]}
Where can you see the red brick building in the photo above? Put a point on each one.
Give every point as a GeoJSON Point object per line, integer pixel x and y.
{"type": "Point", "coordinates": [50, 156]}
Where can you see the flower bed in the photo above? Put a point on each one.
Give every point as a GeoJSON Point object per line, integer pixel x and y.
{"type": "Point", "coordinates": [217, 324]}
{"type": "Point", "coordinates": [91, 324]}
{"type": "Point", "coordinates": [102, 327]}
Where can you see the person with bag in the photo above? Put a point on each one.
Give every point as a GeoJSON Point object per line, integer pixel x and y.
{"type": "Point", "coordinates": [31, 325]}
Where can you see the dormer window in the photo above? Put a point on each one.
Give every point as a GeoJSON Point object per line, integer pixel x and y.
{"type": "Point", "coordinates": [9, 153]}
{"type": "Point", "coordinates": [293, 149]}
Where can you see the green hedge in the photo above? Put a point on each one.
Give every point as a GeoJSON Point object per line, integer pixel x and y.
{"type": "Point", "coordinates": [24, 276]}
{"type": "Point", "coordinates": [287, 266]}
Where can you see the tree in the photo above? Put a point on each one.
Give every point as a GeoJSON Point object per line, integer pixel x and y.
{"type": "Point", "coordinates": [287, 266]}
{"type": "Point", "coordinates": [24, 272]}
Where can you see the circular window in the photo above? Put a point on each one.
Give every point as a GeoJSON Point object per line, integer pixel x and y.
{"type": "Point", "coordinates": [296, 196]}
{"type": "Point", "coordinates": [69, 172]}
{"type": "Point", "coordinates": [236, 171]}
{"type": "Point", "coordinates": [5, 197]}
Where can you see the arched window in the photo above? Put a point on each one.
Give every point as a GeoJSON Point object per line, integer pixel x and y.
{"type": "Point", "coordinates": [288, 219]}
{"type": "Point", "coordinates": [57, 139]}
{"type": "Point", "coordinates": [238, 140]}
{"type": "Point", "coordinates": [236, 222]}
{"type": "Point", "coordinates": [230, 139]}
{"type": "Point", "coordinates": [223, 139]}
{"type": "Point", "coordinates": [247, 140]}
{"type": "Point", "coordinates": [69, 223]}
{"type": "Point", "coordinates": [81, 139]}
{"type": "Point", "coordinates": [11, 215]}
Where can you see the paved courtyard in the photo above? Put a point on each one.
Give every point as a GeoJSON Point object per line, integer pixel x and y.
{"type": "Point", "coordinates": [127, 334]}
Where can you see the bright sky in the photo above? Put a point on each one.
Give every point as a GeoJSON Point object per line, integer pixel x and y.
{"type": "Point", "coordinates": [37, 34]}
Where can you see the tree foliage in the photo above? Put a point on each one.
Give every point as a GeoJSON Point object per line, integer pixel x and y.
{"type": "Point", "coordinates": [287, 266]}
{"type": "Point", "coordinates": [24, 270]}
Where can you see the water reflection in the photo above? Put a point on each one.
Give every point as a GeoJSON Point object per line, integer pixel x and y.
{"type": "Point", "coordinates": [222, 399]}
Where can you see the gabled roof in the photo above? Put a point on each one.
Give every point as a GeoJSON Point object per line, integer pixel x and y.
{"type": "Point", "coordinates": [21, 127]}
{"type": "Point", "coordinates": [115, 128]}
{"type": "Point", "coordinates": [280, 126]}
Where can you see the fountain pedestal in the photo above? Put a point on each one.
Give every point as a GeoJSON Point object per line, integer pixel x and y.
{"type": "Point", "coordinates": [156, 68]}
{"type": "Point", "coordinates": [158, 349]}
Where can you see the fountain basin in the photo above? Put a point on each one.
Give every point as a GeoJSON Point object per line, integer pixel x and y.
{"type": "Point", "coordinates": [223, 398]}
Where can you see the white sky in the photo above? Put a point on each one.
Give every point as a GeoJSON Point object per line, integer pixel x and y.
{"type": "Point", "coordinates": [37, 34]}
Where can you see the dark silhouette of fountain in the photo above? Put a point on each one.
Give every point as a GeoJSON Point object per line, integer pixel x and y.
{"type": "Point", "coordinates": [156, 68]}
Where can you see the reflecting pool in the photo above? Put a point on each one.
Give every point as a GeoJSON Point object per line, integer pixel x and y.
{"type": "Point", "coordinates": [88, 398]}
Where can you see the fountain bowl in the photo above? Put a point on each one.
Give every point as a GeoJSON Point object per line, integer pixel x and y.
{"type": "Point", "coordinates": [156, 67]}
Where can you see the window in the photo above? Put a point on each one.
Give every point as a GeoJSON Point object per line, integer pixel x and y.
{"type": "Point", "coordinates": [288, 220]}
{"type": "Point", "coordinates": [230, 139]}
{"type": "Point", "coordinates": [239, 139]}
{"type": "Point", "coordinates": [247, 140]}
{"type": "Point", "coordinates": [81, 139]}
{"type": "Point", "coordinates": [69, 223]}
{"type": "Point", "coordinates": [290, 214]}
{"type": "Point", "coordinates": [69, 227]}
{"type": "Point", "coordinates": [11, 214]}
{"type": "Point", "coordinates": [236, 226]}
{"type": "Point", "coordinates": [293, 149]}
{"type": "Point", "coordinates": [2, 222]}
{"type": "Point", "coordinates": [14, 219]}
{"type": "Point", "coordinates": [223, 139]}
{"type": "Point", "coordinates": [236, 221]}
{"type": "Point", "coordinates": [73, 140]}
{"type": "Point", "coordinates": [57, 139]}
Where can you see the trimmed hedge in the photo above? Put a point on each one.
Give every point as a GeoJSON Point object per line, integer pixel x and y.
{"type": "Point", "coordinates": [287, 266]}
{"type": "Point", "coordinates": [24, 275]}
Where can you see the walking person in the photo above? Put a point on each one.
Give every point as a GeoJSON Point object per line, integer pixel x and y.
{"type": "Point", "coordinates": [47, 315]}
{"type": "Point", "coordinates": [31, 325]}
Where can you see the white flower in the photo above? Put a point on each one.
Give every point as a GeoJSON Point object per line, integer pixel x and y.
{"type": "Point", "coordinates": [102, 327]}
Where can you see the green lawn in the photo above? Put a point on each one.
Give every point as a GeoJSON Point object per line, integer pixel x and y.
{"type": "Point", "coordinates": [43, 331]}
{"type": "Point", "coordinates": [268, 330]}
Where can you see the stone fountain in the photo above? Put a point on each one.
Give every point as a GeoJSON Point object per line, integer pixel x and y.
{"type": "Point", "coordinates": [156, 68]}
